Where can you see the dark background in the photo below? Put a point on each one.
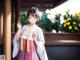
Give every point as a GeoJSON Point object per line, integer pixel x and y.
{"type": "Point", "coordinates": [63, 52]}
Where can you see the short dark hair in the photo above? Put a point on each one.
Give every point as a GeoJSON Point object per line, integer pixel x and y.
{"type": "Point", "coordinates": [33, 10]}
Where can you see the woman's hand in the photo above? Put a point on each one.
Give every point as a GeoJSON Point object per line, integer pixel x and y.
{"type": "Point", "coordinates": [34, 36]}
{"type": "Point", "coordinates": [19, 25]}
{"type": "Point", "coordinates": [18, 31]}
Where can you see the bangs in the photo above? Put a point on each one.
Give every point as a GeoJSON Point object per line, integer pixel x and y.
{"type": "Point", "coordinates": [31, 12]}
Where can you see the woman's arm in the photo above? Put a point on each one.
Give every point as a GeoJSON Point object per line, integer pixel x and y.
{"type": "Point", "coordinates": [17, 35]}
{"type": "Point", "coordinates": [15, 41]}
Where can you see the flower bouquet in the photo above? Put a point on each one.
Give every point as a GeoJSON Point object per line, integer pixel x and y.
{"type": "Point", "coordinates": [71, 23]}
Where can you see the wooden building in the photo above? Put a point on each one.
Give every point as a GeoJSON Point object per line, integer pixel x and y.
{"type": "Point", "coordinates": [10, 7]}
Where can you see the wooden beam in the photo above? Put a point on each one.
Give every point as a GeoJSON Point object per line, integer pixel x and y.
{"type": "Point", "coordinates": [7, 29]}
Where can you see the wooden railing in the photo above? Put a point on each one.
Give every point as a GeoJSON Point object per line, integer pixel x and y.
{"type": "Point", "coordinates": [62, 38]}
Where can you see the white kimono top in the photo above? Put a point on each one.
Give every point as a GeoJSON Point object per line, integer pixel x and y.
{"type": "Point", "coordinates": [39, 41]}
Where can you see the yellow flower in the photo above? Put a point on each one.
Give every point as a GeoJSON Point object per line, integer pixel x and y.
{"type": "Point", "coordinates": [64, 25]}
{"type": "Point", "coordinates": [65, 21]}
{"type": "Point", "coordinates": [75, 28]}
{"type": "Point", "coordinates": [70, 27]}
{"type": "Point", "coordinates": [79, 25]}
{"type": "Point", "coordinates": [74, 22]}
{"type": "Point", "coordinates": [68, 23]}
{"type": "Point", "coordinates": [78, 14]}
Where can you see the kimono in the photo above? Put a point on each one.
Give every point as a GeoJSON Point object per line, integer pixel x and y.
{"type": "Point", "coordinates": [28, 48]}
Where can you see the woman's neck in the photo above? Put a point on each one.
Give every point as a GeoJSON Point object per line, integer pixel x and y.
{"type": "Point", "coordinates": [31, 25]}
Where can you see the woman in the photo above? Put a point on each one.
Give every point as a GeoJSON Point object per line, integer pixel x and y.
{"type": "Point", "coordinates": [29, 41]}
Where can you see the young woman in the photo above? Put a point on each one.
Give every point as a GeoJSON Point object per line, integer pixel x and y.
{"type": "Point", "coordinates": [28, 42]}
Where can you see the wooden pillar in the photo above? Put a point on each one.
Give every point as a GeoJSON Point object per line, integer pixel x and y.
{"type": "Point", "coordinates": [1, 20]}
{"type": "Point", "coordinates": [7, 29]}
{"type": "Point", "coordinates": [12, 16]}
{"type": "Point", "coordinates": [17, 10]}
{"type": "Point", "coordinates": [1, 27]}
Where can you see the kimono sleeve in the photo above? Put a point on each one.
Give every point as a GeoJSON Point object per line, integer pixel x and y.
{"type": "Point", "coordinates": [17, 37]}
{"type": "Point", "coordinates": [16, 43]}
{"type": "Point", "coordinates": [40, 37]}
{"type": "Point", "coordinates": [40, 46]}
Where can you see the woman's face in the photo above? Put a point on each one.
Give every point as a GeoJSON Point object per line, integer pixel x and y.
{"type": "Point", "coordinates": [32, 18]}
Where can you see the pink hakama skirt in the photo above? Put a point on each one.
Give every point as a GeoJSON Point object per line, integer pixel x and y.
{"type": "Point", "coordinates": [32, 54]}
